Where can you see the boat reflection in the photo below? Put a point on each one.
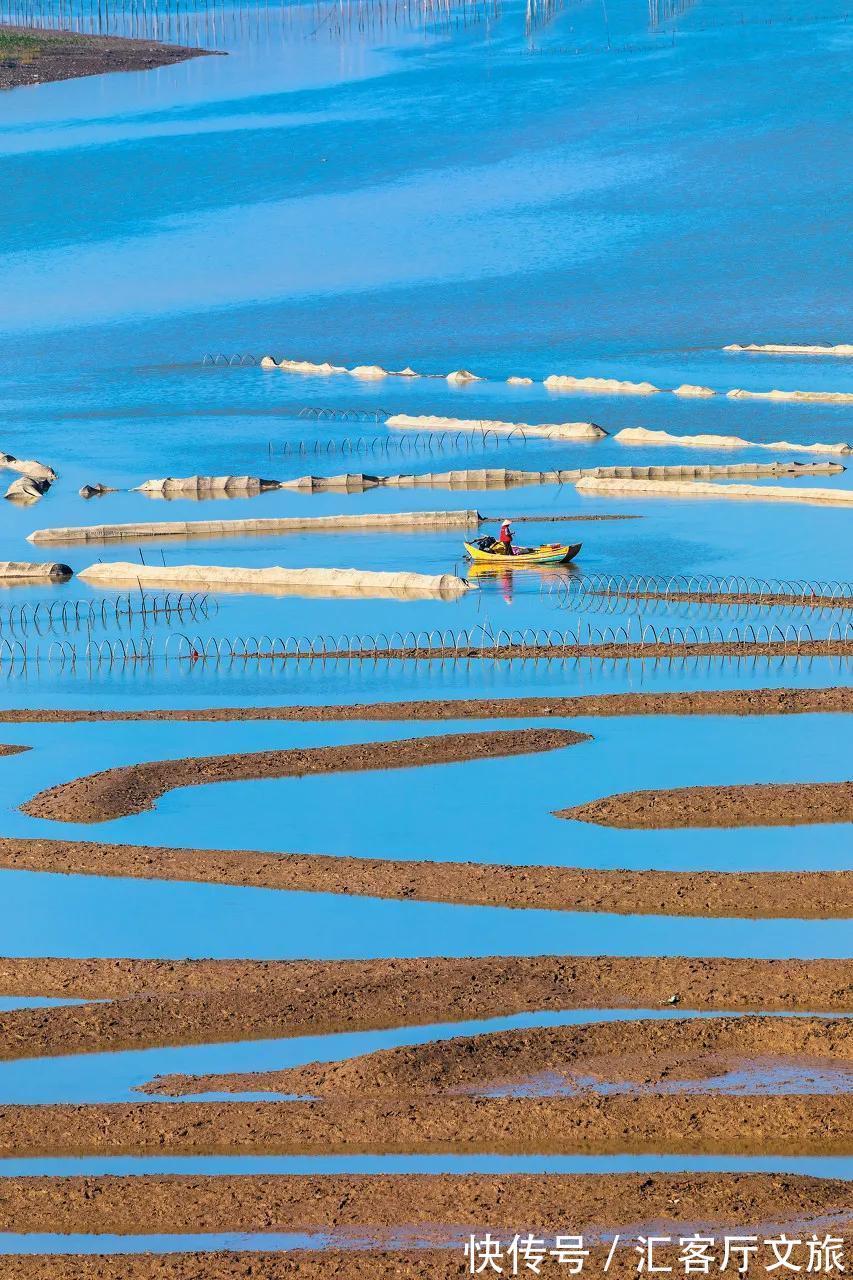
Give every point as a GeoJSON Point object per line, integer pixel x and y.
{"type": "Point", "coordinates": [501, 576]}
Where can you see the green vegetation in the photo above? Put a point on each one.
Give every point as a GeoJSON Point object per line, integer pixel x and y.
{"type": "Point", "coordinates": [16, 49]}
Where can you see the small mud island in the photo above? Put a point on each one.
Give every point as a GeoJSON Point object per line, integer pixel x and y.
{"type": "Point", "coordinates": [31, 56]}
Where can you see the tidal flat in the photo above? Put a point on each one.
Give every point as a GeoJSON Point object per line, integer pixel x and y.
{"type": "Point", "coordinates": [339, 928]}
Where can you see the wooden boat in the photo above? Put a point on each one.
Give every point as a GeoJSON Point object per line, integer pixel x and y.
{"type": "Point", "coordinates": [550, 553]}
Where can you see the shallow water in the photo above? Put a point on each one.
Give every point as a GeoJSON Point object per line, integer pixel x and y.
{"type": "Point", "coordinates": [127, 1166]}
{"type": "Point", "coordinates": [611, 167]}
{"type": "Point", "coordinates": [83, 916]}
{"type": "Point", "coordinates": [260, 683]}
{"type": "Point", "coordinates": [509, 601]}
{"type": "Point", "coordinates": [757, 1079]}
{"type": "Point", "coordinates": [322, 193]}
{"type": "Point", "coordinates": [79, 1243]}
{"type": "Point", "coordinates": [687, 536]}
{"type": "Point", "coordinates": [114, 1077]}
{"type": "Point", "coordinates": [427, 1236]}
{"type": "Point", "coordinates": [8, 1003]}
{"type": "Point", "coordinates": [642, 169]}
{"type": "Point", "coordinates": [469, 817]}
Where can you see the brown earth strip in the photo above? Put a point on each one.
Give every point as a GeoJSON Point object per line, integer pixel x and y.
{"type": "Point", "coordinates": [645, 650]}
{"type": "Point", "coordinates": [588, 1124]}
{"type": "Point", "coordinates": [585, 1203]}
{"type": "Point", "coordinates": [116, 793]}
{"type": "Point", "coordinates": [335, 1264]}
{"type": "Point", "coordinates": [768, 804]}
{"type": "Point", "coordinates": [801, 895]}
{"type": "Point", "coordinates": [646, 1052]}
{"type": "Point", "coordinates": [11, 749]}
{"type": "Point", "coordinates": [31, 55]}
{"type": "Point", "coordinates": [721, 702]}
{"type": "Point", "coordinates": [555, 519]}
{"type": "Point", "coordinates": [796, 599]}
{"type": "Point", "coordinates": [171, 1002]}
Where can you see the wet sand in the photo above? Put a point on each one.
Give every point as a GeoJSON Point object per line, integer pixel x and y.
{"type": "Point", "coordinates": [587, 1203]}
{"type": "Point", "coordinates": [713, 1124]}
{"type": "Point", "coordinates": [799, 895]}
{"type": "Point", "coordinates": [30, 55]}
{"type": "Point", "coordinates": [119, 792]}
{"type": "Point", "coordinates": [647, 1054]}
{"type": "Point", "coordinates": [782, 804]}
{"type": "Point", "coordinates": [734, 702]}
{"type": "Point", "coordinates": [172, 1002]}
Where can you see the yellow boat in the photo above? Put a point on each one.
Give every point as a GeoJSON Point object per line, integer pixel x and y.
{"type": "Point", "coordinates": [550, 553]}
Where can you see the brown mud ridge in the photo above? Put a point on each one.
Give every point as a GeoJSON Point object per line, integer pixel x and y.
{"type": "Point", "coordinates": [30, 55]}
{"type": "Point", "coordinates": [770, 804]}
{"type": "Point", "coordinates": [332, 1264]}
{"type": "Point", "coordinates": [11, 749]}
{"type": "Point", "coordinates": [150, 1003]}
{"type": "Point", "coordinates": [595, 1124]}
{"type": "Point", "coordinates": [734, 597]}
{"type": "Point", "coordinates": [648, 1054]}
{"type": "Point", "coordinates": [830, 647]}
{"type": "Point", "coordinates": [336, 1264]}
{"type": "Point", "coordinates": [724, 702]}
{"type": "Point", "coordinates": [116, 793]}
{"type": "Point", "coordinates": [800, 895]}
{"type": "Point", "coordinates": [341, 1203]}
{"type": "Point", "coordinates": [555, 519]}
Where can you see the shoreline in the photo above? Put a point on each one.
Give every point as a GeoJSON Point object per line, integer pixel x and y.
{"type": "Point", "coordinates": [32, 55]}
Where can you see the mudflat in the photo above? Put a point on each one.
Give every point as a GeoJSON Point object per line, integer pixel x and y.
{"type": "Point", "coordinates": [723, 702]}
{"type": "Point", "coordinates": [116, 793]}
{"type": "Point", "coordinates": [157, 1002]}
{"type": "Point", "coordinates": [356, 1264]}
{"type": "Point", "coordinates": [428, 1203]}
{"type": "Point", "coordinates": [30, 55]}
{"type": "Point", "coordinates": [776, 804]}
{"type": "Point", "coordinates": [757, 894]}
{"type": "Point", "coordinates": [713, 1124]}
{"type": "Point", "coordinates": [649, 1055]}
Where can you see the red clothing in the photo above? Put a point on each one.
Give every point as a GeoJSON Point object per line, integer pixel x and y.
{"type": "Point", "coordinates": [506, 536]}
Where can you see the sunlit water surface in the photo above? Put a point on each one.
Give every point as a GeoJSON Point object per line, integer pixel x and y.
{"type": "Point", "coordinates": [582, 193]}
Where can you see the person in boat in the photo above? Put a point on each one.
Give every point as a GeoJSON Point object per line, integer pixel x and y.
{"type": "Point", "coordinates": [504, 546]}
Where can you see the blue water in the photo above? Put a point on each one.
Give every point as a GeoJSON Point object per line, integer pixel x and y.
{"type": "Point", "coordinates": [262, 683]}
{"type": "Point", "coordinates": [81, 1243]}
{"type": "Point", "coordinates": [8, 1003]}
{"type": "Point", "coordinates": [83, 916]}
{"type": "Point", "coordinates": [488, 810]}
{"type": "Point", "coordinates": [324, 193]}
{"type": "Point", "coordinates": [588, 194]}
{"type": "Point", "coordinates": [115, 1077]}
{"type": "Point", "coordinates": [128, 1166]}
{"type": "Point", "coordinates": [621, 187]}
